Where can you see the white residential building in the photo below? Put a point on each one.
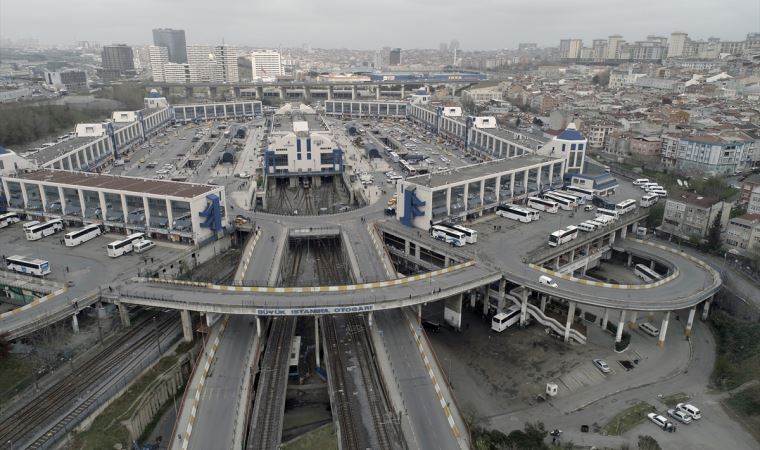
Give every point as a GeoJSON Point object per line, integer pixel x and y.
{"type": "Point", "coordinates": [225, 64]}
{"type": "Point", "coordinates": [159, 57]}
{"type": "Point", "coordinates": [677, 44]}
{"type": "Point", "coordinates": [266, 64]}
{"type": "Point", "coordinates": [200, 59]}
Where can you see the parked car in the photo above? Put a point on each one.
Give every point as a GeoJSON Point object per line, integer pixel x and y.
{"type": "Point", "coordinates": [602, 365]}
{"type": "Point", "coordinates": [661, 421]}
{"type": "Point", "coordinates": [679, 415]}
{"type": "Point", "coordinates": [690, 409]}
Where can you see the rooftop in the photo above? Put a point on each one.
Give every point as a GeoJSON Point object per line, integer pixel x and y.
{"type": "Point", "coordinates": [119, 183]}
{"type": "Point", "coordinates": [747, 219]}
{"type": "Point", "coordinates": [48, 154]}
{"type": "Point", "coordinates": [461, 174]}
{"type": "Point", "coordinates": [693, 199]}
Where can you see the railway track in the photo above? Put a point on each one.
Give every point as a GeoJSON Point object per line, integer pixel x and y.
{"type": "Point", "coordinates": [342, 407]}
{"type": "Point", "coordinates": [266, 427]}
{"type": "Point", "coordinates": [62, 406]}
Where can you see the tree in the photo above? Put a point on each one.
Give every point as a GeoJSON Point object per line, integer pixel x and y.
{"type": "Point", "coordinates": [537, 121]}
{"type": "Point", "coordinates": [648, 443]}
{"type": "Point", "coordinates": [518, 122]}
{"type": "Point", "coordinates": [656, 212]}
{"type": "Point", "coordinates": [713, 234]}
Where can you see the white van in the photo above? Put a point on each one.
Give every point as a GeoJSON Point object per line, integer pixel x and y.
{"type": "Point", "coordinates": [547, 281]}
{"type": "Point", "coordinates": [586, 226]}
{"type": "Point", "coordinates": [649, 329]}
{"type": "Point", "coordinates": [143, 246]}
{"type": "Point", "coordinates": [640, 181]}
{"type": "Point", "coordinates": [650, 185]}
{"type": "Point", "coordinates": [690, 409]}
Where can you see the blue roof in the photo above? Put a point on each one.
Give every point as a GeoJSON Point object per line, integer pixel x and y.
{"type": "Point", "coordinates": [571, 135]}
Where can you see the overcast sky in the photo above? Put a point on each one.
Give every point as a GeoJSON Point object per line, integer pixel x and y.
{"type": "Point", "coordinates": [362, 24]}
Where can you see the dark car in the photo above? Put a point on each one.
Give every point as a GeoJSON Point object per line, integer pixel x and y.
{"type": "Point", "coordinates": [431, 326]}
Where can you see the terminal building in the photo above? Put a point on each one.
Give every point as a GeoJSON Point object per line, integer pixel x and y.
{"type": "Point", "coordinates": [301, 145]}
{"type": "Point", "coordinates": [226, 110]}
{"type": "Point", "coordinates": [468, 192]}
{"type": "Point", "coordinates": [181, 212]}
{"type": "Point", "coordinates": [356, 108]}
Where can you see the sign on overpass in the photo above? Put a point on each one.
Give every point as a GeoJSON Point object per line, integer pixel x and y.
{"type": "Point", "coordinates": [313, 311]}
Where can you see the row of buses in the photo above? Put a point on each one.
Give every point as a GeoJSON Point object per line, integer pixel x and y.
{"type": "Point", "coordinates": [453, 234]}
{"type": "Point", "coordinates": [35, 230]}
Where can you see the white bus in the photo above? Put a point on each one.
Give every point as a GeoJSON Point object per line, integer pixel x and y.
{"type": "Point", "coordinates": [118, 248]}
{"type": "Point", "coordinates": [502, 321]}
{"type": "Point", "coordinates": [564, 203]}
{"type": "Point", "coordinates": [646, 274]}
{"type": "Point", "coordinates": [577, 198]}
{"type": "Point", "coordinates": [515, 212]}
{"type": "Point", "coordinates": [540, 204]}
{"type": "Point", "coordinates": [587, 193]}
{"type": "Point", "coordinates": [77, 237]}
{"type": "Point", "coordinates": [648, 200]}
{"type": "Point", "coordinates": [9, 219]}
{"type": "Point", "coordinates": [625, 206]}
{"type": "Point", "coordinates": [44, 229]}
{"type": "Point", "coordinates": [449, 236]}
{"type": "Point", "coordinates": [580, 199]}
{"type": "Point", "coordinates": [410, 171]}
{"type": "Point", "coordinates": [471, 236]}
{"type": "Point", "coordinates": [559, 237]}
{"type": "Point", "coordinates": [607, 212]}
{"type": "Point", "coordinates": [394, 156]}
{"type": "Point", "coordinates": [27, 265]}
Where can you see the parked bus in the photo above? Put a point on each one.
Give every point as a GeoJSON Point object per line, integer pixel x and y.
{"type": "Point", "coordinates": [515, 212]}
{"type": "Point", "coordinates": [410, 171]}
{"type": "Point", "coordinates": [394, 157]}
{"type": "Point", "coordinates": [449, 236]}
{"type": "Point", "coordinates": [607, 212]}
{"type": "Point", "coordinates": [580, 199]}
{"type": "Point", "coordinates": [44, 229]}
{"type": "Point", "coordinates": [502, 321]}
{"type": "Point", "coordinates": [577, 199]}
{"type": "Point", "coordinates": [77, 237]}
{"type": "Point", "coordinates": [625, 206]}
{"type": "Point", "coordinates": [541, 204]}
{"type": "Point", "coordinates": [587, 193]}
{"type": "Point", "coordinates": [9, 219]}
{"type": "Point", "coordinates": [648, 200]}
{"type": "Point", "coordinates": [559, 237]}
{"type": "Point", "coordinates": [27, 265]}
{"type": "Point", "coordinates": [470, 234]}
{"type": "Point", "coordinates": [118, 248]}
{"type": "Point", "coordinates": [564, 203]}
{"type": "Point", "coordinates": [646, 274]}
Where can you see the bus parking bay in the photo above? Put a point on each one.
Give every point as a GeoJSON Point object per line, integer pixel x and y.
{"type": "Point", "coordinates": [86, 266]}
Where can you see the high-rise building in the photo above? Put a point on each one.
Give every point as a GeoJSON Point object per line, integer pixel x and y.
{"type": "Point", "coordinates": [599, 49]}
{"type": "Point", "coordinates": [118, 60]}
{"type": "Point", "coordinates": [266, 63]}
{"type": "Point", "coordinates": [174, 41]}
{"type": "Point", "coordinates": [614, 46]}
{"type": "Point", "coordinates": [200, 59]}
{"type": "Point", "coordinates": [394, 57]}
{"type": "Point", "coordinates": [226, 64]}
{"type": "Point", "coordinates": [70, 80]}
{"type": "Point", "coordinates": [677, 44]}
{"type": "Point", "coordinates": [570, 48]}
{"type": "Point", "coordinates": [159, 58]}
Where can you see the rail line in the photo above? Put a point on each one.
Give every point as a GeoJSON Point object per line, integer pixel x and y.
{"type": "Point", "coordinates": [61, 406]}
{"type": "Point", "coordinates": [265, 431]}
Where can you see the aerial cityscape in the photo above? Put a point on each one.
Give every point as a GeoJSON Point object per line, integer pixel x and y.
{"type": "Point", "coordinates": [406, 225]}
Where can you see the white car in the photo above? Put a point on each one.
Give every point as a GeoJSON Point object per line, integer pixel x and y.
{"type": "Point", "coordinates": [547, 281]}
{"type": "Point", "coordinates": [660, 421]}
{"type": "Point", "coordinates": [679, 415]}
{"type": "Point", "coordinates": [690, 409]}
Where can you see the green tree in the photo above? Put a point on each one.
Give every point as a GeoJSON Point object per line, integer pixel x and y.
{"type": "Point", "coordinates": [648, 443]}
{"type": "Point", "coordinates": [713, 234]}
{"type": "Point", "coordinates": [656, 212]}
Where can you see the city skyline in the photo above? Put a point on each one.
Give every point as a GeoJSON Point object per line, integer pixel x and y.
{"type": "Point", "coordinates": [503, 26]}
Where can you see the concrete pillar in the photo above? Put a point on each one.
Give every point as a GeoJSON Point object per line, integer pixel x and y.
{"type": "Point", "coordinates": [706, 308]}
{"type": "Point", "coordinates": [630, 260]}
{"type": "Point", "coordinates": [419, 313]}
{"type": "Point", "coordinates": [260, 92]}
{"type": "Point", "coordinates": [354, 92]}
{"type": "Point", "coordinates": [606, 318]}
{"type": "Point", "coordinates": [369, 319]}
{"type": "Point", "coordinates": [329, 92]}
{"type": "Point", "coordinates": [452, 311]}
{"type": "Point", "coordinates": [316, 338]}
{"type": "Point", "coordinates": [472, 301]}
{"type": "Point", "coordinates": [690, 320]}
{"type": "Point", "coordinates": [651, 264]}
{"type": "Point", "coordinates": [403, 91]}
{"type": "Point", "coordinates": [486, 302]}
{"type": "Point", "coordinates": [282, 92]}
{"type": "Point", "coordinates": [623, 232]}
{"type": "Point", "coordinates": [621, 324]}
{"type": "Point", "coordinates": [663, 330]}
{"type": "Point", "coordinates": [377, 93]}
{"type": "Point", "coordinates": [258, 326]}
{"type": "Point", "coordinates": [524, 306]}
{"type": "Point", "coordinates": [307, 94]}
{"type": "Point", "coordinates": [570, 316]}
{"type": "Point", "coordinates": [543, 303]}
{"type": "Point", "coordinates": [556, 263]}
{"type": "Point", "coordinates": [187, 326]}
{"type": "Point", "coordinates": [124, 315]}
{"type": "Point", "coordinates": [632, 320]}
{"type": "Point", "coordinates": [75, 324]}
